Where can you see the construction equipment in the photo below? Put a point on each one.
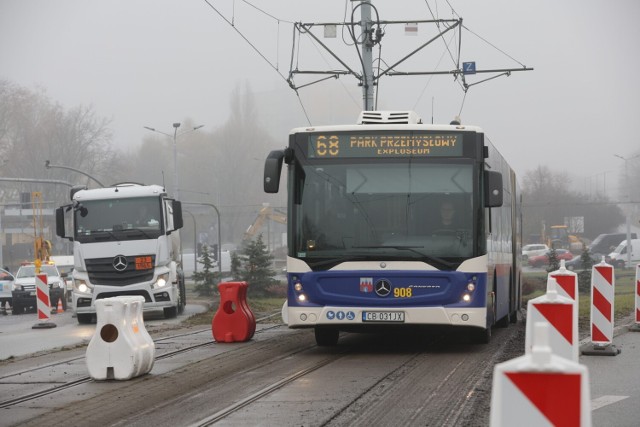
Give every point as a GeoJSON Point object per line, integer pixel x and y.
{"type": "Point", "coordinates": [266, 213]}
{"type": "Point", "coordinates": [558, 237]}
{"type": "Point", "coordinates": [41, 247]}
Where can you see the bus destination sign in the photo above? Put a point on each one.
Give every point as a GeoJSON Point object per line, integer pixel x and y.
{"type": "Point", "coordinates": [384, 144]}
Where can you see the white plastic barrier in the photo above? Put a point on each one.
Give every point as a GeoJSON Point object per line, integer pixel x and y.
{"type": "Point", "coordinates": [562, 316]}
{"type": "Point", "coordinates": [540, 389]}
{"type": "Point", "coordinates": [121, 348]}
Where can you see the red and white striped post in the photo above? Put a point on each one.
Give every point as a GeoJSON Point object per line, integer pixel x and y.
{"type": "Point", "coordinates": [567, 282]}
{"type": "Point", "coordinates": [602, 313]}
{"type": "Point", "coordinates": [540, 388]}
{"type": "Point", "coordinates": [43, 303]}
{"type": "Point", "coordinates": [636, 325]}
{"type": "Point", "coordinates": [561, 315]}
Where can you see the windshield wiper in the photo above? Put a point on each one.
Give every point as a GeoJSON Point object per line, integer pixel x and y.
{"type": "Point", "coordinates": [139, 230]}
{"type": "Point", "coordinates": [107, 233]}
{"type": "Point", "coordinates": [429, 258]}
{"type": "Point", "coordinates": [337, 260]}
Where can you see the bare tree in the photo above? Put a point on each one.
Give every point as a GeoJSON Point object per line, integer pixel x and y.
{"type": "Point", "coordinates": [547, 198]}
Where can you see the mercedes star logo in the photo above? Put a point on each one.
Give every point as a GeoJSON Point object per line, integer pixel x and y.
{"type": "Point", "coordinates": [383, 287]}
{"type": "Point", "coordinates": [120, 263]}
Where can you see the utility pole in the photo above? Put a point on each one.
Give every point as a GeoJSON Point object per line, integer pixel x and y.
{"type": "Point", "coordinates": [628, 208]}
{"type": "Point", "coordinates": [371, 34]}
{"type": "Point", "coordinates": [367, 55]}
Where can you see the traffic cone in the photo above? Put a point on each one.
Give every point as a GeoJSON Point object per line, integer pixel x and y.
{"type": "Point", "coordinates": [60, 309]}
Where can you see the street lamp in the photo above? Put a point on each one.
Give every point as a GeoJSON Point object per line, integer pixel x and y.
{"type": "Point", "coordinates": [195, 232]}
{"type": "Point", "coordinates": [626, 178]}
{"type": "Point", "coordinates": [175, 151]}
{"type": "Point", "coordinates": [48, 165]}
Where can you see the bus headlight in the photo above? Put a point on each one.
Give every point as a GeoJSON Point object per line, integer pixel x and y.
{"type": "Point", "coordinates": [297, 286]}
{"type": "Point", "coordinates": [471, 287]}
{"type": "Point", "coordinates": [466, 297]}
{"type": "Point", "coordinates": [302, 297]}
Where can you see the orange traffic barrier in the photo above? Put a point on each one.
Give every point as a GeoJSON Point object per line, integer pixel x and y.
{"type": "Point", "coordinates": [234, 321]}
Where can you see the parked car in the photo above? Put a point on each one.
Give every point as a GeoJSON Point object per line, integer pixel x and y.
{"type": "Point", "coordinates": [65, 267]}
{"type": "Point", "coordinates": [576, 262]}
{"type": "Point", "coordinates": [541, 260]}
{"type": "Point", "coordinates": [534, 249]}
{"type": "Point", "coordinates": [6, 282]}
{"type": "Point", "coordinates": [24, 287]}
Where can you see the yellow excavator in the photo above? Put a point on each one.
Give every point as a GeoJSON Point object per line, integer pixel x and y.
{"type": "Point", "coordinates": [266, 213]}
{"type": "Point", "coordinates": [558, 237]}
{"type": "Point", "coordinates": [41, 247]}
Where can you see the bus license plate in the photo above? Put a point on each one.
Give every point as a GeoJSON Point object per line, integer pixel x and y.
{"type": "Point", "coordinates": [383, 316]}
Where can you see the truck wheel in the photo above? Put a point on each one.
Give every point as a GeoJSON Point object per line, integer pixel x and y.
{"type": "Point", "coordinates": [170, 312]}
{"type": "Point", "coordinates": [84, 318]}
{"type": "Point", "coordinates": [17, 309]}
{"type": "Point", "coordinates": [182, 298]}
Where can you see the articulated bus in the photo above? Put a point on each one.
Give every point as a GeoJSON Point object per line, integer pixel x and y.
{"type": "Point", "coordinates": [370, 245]}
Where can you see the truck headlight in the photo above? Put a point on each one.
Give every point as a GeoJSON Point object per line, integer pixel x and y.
{"type": "Point", "coordinates": [161, 281]}
{"type": "Point", "coordinates": [81, 286]}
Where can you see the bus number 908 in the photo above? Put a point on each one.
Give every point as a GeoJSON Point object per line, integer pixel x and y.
{"type": "Point", "coordinates": [402, 292]}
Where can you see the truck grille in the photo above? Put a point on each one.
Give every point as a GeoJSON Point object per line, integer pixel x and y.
{"type": "Point", "coordinates": [102, 271]}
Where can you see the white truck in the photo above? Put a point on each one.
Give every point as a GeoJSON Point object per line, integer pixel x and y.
{"type": "Point", "coordinates": [125, 242]}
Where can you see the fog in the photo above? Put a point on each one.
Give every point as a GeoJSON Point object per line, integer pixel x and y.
{"type": "Point", "coordinates": [157, 62]}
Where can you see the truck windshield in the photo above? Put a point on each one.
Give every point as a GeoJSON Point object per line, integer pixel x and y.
{"type": "Point", "coordinates": [132, 218]}
{"type": "Point", "coordinates": [410, 211]}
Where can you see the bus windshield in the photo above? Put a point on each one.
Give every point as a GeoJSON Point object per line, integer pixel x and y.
{"type": "Point", "coordinates": [383, 210]}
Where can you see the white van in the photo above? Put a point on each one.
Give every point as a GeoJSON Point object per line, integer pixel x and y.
{"type": "Point", "coordinates": [618, 257]}
{"type": "Point", "coordinates": [65, 266]}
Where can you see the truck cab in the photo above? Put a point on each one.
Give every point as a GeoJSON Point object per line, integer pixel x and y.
{"type": "Point", "coordinates": [125, 242]}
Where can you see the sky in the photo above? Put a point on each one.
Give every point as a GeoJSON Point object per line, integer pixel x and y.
{"type": "Point", "coordinates": [156, 62]}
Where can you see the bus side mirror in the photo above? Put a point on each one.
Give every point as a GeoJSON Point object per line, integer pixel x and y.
{"type": "Point", "coordinates": [272, 169]}
{"type": "Point", "coordinates": [492, 189]}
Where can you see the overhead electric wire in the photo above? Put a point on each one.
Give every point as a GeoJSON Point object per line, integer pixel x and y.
{"type": "Point", "coordinates": [266, 13]}
{"type": "Point", "coordinates": [494, 46]}
{"type": "Point", "coordinates": [246, 40]}
{"type": "Point", "coordinates": [260, 53]}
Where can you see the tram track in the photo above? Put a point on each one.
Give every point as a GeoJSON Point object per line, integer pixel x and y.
{"type": "Point", "coordinates": [86, 379]}
{"type": "Point", "coordinates": [287, 378]}
{"type": "Point", "coordinates": [445, 397]}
